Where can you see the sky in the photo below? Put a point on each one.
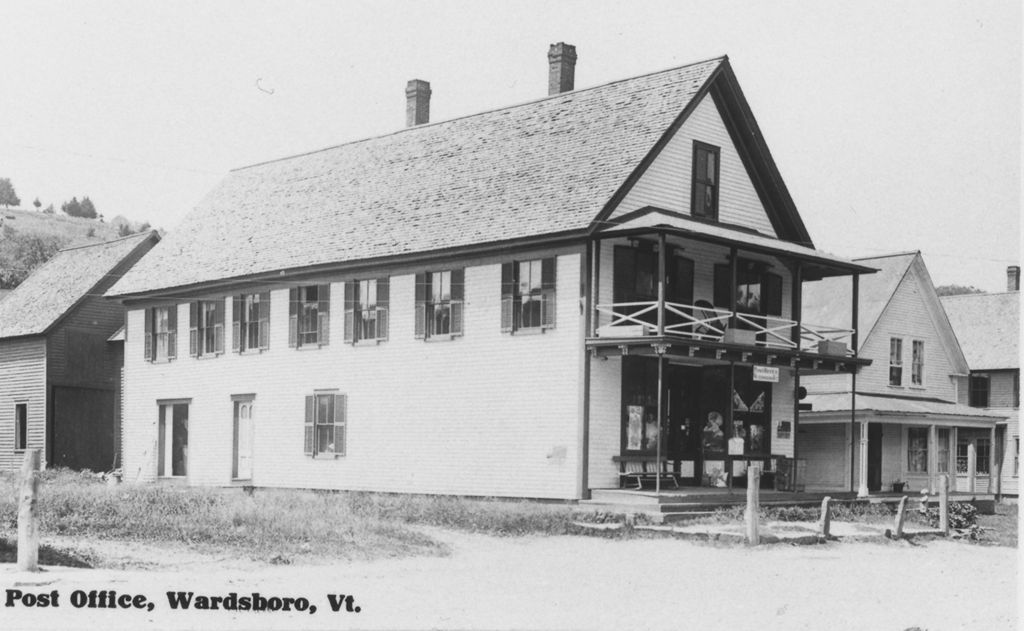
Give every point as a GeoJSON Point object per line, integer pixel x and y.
{"type": "Point", "coordinates": [896, 125]}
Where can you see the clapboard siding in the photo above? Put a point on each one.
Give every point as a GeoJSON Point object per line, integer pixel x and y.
{"type": "Point", "coordinates": [22, 380]}
{"type": "Point", "coordinates": [605, 421]}
{"type": "Point", "coordinates": [667, 182]}
{"type": "Point", "coordinates": [483, 414]}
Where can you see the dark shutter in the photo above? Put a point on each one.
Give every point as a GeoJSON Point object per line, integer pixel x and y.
{"type": "Point", "coordinates": [193, 329]}
{"type": "Point", "coordinates": [340, 423]}
{"type": "Point", "coordinates": [237, 304]}
{"type": "Point", "coordinates": [147, 351]}
{"type": "Point", "coordinates": [723, 287]}
{"type": "Point", "coordinates": [624, 274]}
{"type": "Point", "coordinates": [420, 311]}
{"type": "Point", "coordinates": [772, 294]}
{"type": "Point", "coordinates": [323, 315]}
{"type": "Point", "coordinates": [383, 300]}
{"type": "Point", "coordinates": [547, 283]}
{"type": "Point", "coordinates": [172, 332]}
{"type": "Point", "coordinates": [508, 288]}
{"type": "Point", "coordinates": [351, 295]}
{"type": "Point", "coordinates": [218, 326]}
{"type": "Point", "coordinates": [264, 321]}
{"type": "Point", "coordinates": [458, 299]}
{"type": "Point", "coordinates": [293, 317]}
{"type": "Point", "coordinates": [310, 406]}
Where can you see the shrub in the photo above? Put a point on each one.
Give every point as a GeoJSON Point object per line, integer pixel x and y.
{"type": "Point", "coordinates": [961, 516]}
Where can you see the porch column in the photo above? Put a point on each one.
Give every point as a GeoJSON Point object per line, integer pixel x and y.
{"type": "Point", "coordinates": [992, 462]}
{"type": "Point", "coordinates": [796, 314]}
{"type": "Point", "coordinates": [972, 465]}
{"type": "Point", "coordinates": [933, 457]}
{"type": "Point", "coordinates": [595, 286]}
{"type": "Point", "coordinates": [661, 284]}
{"type": "Point", "coordinates": [862, 488]}
{"type": "Point", "coordinates": [733, 264]}
{"type": "Point", "coordinates": [952, 458]}
{"type": "Point", "coordinates": [660, 350]}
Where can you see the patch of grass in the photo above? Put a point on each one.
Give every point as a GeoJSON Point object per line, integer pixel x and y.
{"type": "Point", "coordinates": [999, 529]}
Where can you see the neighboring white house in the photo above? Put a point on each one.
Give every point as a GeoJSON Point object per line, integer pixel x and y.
{"type": "Point", "coordinates": [988, 328]}
{"type": "Point", "coordinates": [524, 302]}
{"type": "Point", "coordinates": [909, 406]}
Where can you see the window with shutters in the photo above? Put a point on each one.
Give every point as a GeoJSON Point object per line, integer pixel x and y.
{"type": "Point", "coordinates": [309, 315]}
{"type": "Point", "coordinates": [528, 295]}
{"type": "Point", "coordinates": [704, 196]}
{"type": "Point", "coordinates": [250, 322]}
{"type": "Point", "coordinates": [161, 334]}
{"type": "Point", "coordinates": [439, 303]}
{"type": "Point", "coordinates": [325, 429]}
{"type": "Point", "coordinates": [366, 310]}
{"type": "Point", "coordinates": [206, 328]}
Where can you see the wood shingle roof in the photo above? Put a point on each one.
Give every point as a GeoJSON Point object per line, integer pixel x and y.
{"type": "Point", "coordinates": [546, 167]}
{"type": "Point", "coordinates": [53, 289]}
{"type": "Point", "coordinates": [987, 327]}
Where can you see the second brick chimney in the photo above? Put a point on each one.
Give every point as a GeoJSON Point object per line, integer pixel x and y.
{"type": "Point", "coordinates": [417, 103]}
{"type": "Point", "coordinates": [1013, 278]}
{"type": "Point", "coordinates": [562, 60]}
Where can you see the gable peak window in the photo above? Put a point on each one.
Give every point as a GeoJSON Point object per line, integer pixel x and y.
{"type": "Point", "coordinates": [206, 328]}
{"type": "Point", "coordinates": [704, 197]}
{"type": "Point", "coordinates": [161, 333]}
{"type": "Point", "coordinates": [250, 322]}
{"type": "Point", "coordinates": [528, 295]}
{"type": "Point", "coordinates": [439, 303]}
{"type": "Point", "coordinates": [309, 315]}
{"type": "Point", "coordinates": [366, 310]}
{"type": "Point", "coordinates": [917, 363]}
{"type": "Point", "coordinates": [895, 361]}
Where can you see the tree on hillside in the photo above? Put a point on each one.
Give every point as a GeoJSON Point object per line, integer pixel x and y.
{"type": "Point", "coordinates": [24, 254]}
{"type": "Point", "coordinates": [7, 195]}
{"type": "Point", "coordinates": [88, 210]}
{"type": "Point", "coordinates": [49, 210]}
{"type": "Point", "coordinates": [72, 208]}
{"type": "Point", "coordinates": [956, 290]}
{"type": "Point", "coordinates": [37, 204]}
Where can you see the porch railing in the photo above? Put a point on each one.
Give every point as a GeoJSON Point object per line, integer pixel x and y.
{"type": "Point", "coordinates": [706, 323]}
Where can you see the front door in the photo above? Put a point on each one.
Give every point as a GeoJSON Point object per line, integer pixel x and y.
{"type": "Point", "coordinates": [684, 426]}
{"type": "Point", "coordinates": [242, 463]}
{"type": "Point", "coordinates": [874, 456]}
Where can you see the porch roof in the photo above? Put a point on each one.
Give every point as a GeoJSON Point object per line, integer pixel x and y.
{"type": "Point", "coordinates": [826, 407]}
{"type": "Point", "coordinates": [817, 264]}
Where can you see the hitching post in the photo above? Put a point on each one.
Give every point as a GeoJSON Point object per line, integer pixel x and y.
{"type": "Point", "coordinates": [825, 523]}
{"type": "Point", "coordinates": [900, 514]}
{"type": "Point", "coordinates": [28, 517]}
{"type": "Point", "coordinates": [944, 503]}
{"type": "Point", "coordinates": [753, 504]}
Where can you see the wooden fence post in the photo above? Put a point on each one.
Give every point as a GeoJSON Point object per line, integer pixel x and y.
{"type": "Point", "coordinates": [825, 523]}
{"type": "Point", "coordinates": [944, 503]}
{"type": "Point", "coordinates": [28, 515]}
{"type": "Point", "coordinates": [753, 504]}
{"type": "Point", "coordinates": [900, 514]}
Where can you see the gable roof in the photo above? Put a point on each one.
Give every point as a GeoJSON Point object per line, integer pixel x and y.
{"type": "Point", "coordinates": [828, 301]}
{"type": "Point", "coordinates": [540, 170]}
{"type": "Point", "coordinates": [987, 327]}
{"type": "Point", "coordinates": [52, 290]}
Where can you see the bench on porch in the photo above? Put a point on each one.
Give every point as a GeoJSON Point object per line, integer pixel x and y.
{"type": "Point", "coordinates": [642, 468]}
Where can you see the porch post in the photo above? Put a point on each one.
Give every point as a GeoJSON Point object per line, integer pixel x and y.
{"type": "Point", "coordinates": [660, 349]}
{"type": "Point", "coordinates": [733, 264]}
{"type": "Point", "coordinates": [595, 286]}
{"type": "Point", "coordinates": [972, 465]}
{"type": "Point", "coordinates": [862, 488]}
{"type": "Point", "coordinates": [796, 313]}
{"type": "Point", "coordinates": [933, 456]}
{"type": "Point", "coordinates": [992, 462]}
{"type": "Point", "coordinates": [661, 284]}
{"type": "Point", "coordinates": [952, 458]}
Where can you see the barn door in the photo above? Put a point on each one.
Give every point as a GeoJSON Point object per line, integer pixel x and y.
{"type": "Point", "coordinates": [241, 468]}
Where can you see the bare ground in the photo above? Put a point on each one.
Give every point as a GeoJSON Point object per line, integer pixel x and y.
{"type": "Point", "coordinates": [556, 582]}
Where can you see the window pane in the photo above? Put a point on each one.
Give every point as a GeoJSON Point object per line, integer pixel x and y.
{"type": "Point", "coordinates": [917, 449]}
{"type": "Point", "coordinates": [710, 173]}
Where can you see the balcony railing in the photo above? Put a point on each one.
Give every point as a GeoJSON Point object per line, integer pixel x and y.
{"type": "Point", "coordinates": [706, 323]}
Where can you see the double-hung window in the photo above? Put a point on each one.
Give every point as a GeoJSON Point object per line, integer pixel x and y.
{"type": "Point", "coordinates": [206, 328]}
{"type": "Point", "coordinates": [895, 361]}
{"type": "Point", "coordinates": [439, 302]}
{"type": "Point", "coordinates": [309, 315]}
{"type": "Point", "coordinates": [704, 196]}
{"type": "Point", "coordinates": [161, 333]}
{"type": "Point", "coordinates": [250, 322]}
{"type": "Point", "coordinates": [366, 310]}
{"type": "Point", "coordinates": [979, 391]}
{"type": "Point", "coordinates": [917, 363]}
{"type": "Point", "coordinates": [917, 449]}
{"type": "Point", "coordinates": [326, 417]}
{"type": "Point", "coordinates": [528, 295]}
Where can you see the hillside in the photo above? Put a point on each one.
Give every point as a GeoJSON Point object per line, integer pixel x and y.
{"type": "Point", "coordinates": [28, 238]}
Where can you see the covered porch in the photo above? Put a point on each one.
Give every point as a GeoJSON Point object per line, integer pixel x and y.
{"type": "Point", "coordinates": [696, 349]}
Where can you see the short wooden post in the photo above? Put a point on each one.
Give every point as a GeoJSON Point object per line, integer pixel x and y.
{"type": "Point", "coordinates": [825, 522]}
{"type": "Point", "coordinates": [900, 514]}
{"type": "Point", "coordinates": [944, 503]}
{"type": "Point", "coordinates": [28, 515]}
{"type": "Point", "coordinates": [753, 504]}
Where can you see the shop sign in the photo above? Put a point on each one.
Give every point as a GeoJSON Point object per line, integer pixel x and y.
{"type": "Point", "coordinates": [766, 373]}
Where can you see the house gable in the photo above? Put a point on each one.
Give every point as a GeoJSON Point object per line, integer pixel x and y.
{"type": "Point", "coordinates": [667, 182]}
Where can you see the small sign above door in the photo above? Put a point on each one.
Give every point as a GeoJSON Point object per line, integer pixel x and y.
{"type": "Point", "coordinates": [766, 373]}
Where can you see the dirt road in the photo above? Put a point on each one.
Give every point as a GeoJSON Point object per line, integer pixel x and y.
{"type": "Point", "coordinates": [555, 583]}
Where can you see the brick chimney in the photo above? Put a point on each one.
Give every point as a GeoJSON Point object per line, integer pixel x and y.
{"type": "Point", "coordinates": [417, 103]}
{"type": "Point", "coordinates": [1013, 278]}
{"type": "Point", "coordinates": [562, 59]}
